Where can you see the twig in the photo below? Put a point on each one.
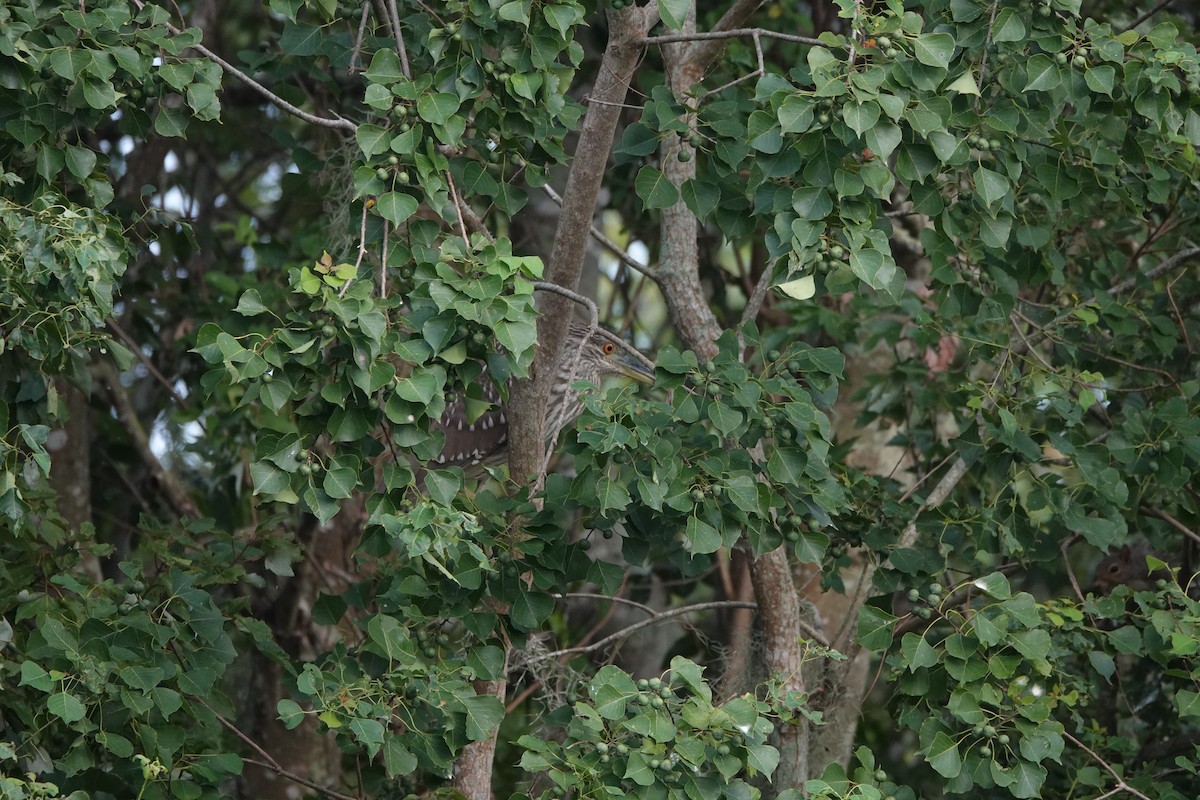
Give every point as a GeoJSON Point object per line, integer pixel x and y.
{"type": "Point", "coordinates": [1154, 272]}
{"type": "Point", "coordinates": [337, 123]}
{"type": "Point", "coordinates": [1121, 784]}
{"type": "Point", "coordinates": [146, 362]}
{"type": "Point", "coordinates": [362, 251]}
{"type": "Point", "coordinates": [1174, 523]}
{"type": "Point", "coordinates": [401, 49]}
{"type": "Point", "coordinates": [176, 494]}
{"type": "Point", "coordinates": [736, 33]}
{"type": "Point", "coordinates": [656, 619]}
{"type": "Point", "coordinates": [1066, 543]}
{"type": "Point", "coordinates": [607, 243]}
{"type": "Point", "coordinates": [458, 208]}
{"type": "Point", "coordinates": [586, 302]}
{"type": "Point", "coordinates": [750, 313]}
{"type": "Point", "coordinates": [358, 39]}
{"type": "Point", "coordinates": [611, 599]}
{"type": "Point", "coordinates": [1149, 14]}
{"type": "Point", "coordinates": [758, 73]}
{"type": "Point", "coordinates": [270, 763]}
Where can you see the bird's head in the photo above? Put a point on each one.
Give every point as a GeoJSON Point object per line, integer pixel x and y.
{"type": "Point", "coordinates": [609, 355]}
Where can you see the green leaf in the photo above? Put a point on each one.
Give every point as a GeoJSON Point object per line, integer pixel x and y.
{"type": "Point", "coordinates": [396, 207]}
{"type": "Point", "coordinates": [438, 108]}
{"type": "Point", "coordinates": [484, 714]}
{"type": "Point", "coordinates": [655, 189]}
{"type": "Point", "coordinates": [1043, 74]}
{"type": "Point", "coordinates": [515, 11]}
{"type": "Point", "coordinates": [250, 304]}
{"type": "Point", "coordinates": [994, 585]}
{"type": "Point", "coordinates": [116, 744]}
{"type": "Point", "coordinates": [80, 161]}
{"type": "Point", "coordinates": [368, 732]}
{"type": "Point", "coordinates": [638, 140]}
{"type": "Point", "coordinates": [397, 759]}
{"type": "Point", "coordinates": [965, 84]}
{"type": "Point", "coordinates": [290, 713]}
{"type": "Point", "coordinates": [861, 116]}
{"type": "Point", "coordinates": [674, 12]}
{"type": "Point", "coordinates": [726, 420]}
{"type": "Point", "coordinates": [992, 187]}
{"type": "Point", "coordinates": [371, 139]}
{"type": "Point", "coordinates": [943, 756]}
{"type": "Point", "coordinates": [883, 138]}
{"type": "Point", "coordinates": [385, 67]}
{"type": "Point", "coordinates": [704, 538]}
{"type": "Point", "coordinates": [1008, 27]}
{"type": "Point", "coordinates": [340, 482]}
{"type": "Point", "coordinates": [934, 49]}
{"type": "Point", "coordinates": [170, 122]}
{"type": "Point", "coordinates": [530, 609]}
{"type": "Point", "coordinates": [875, 628]}
{"type": "Point", "coordinates": [1188, 703]}
{"type": "Point", "coordinates": [1100, 78]}
{"type": "Point", "coordinates": [795, 114]}
{"type": "Point", "coordinates": [33, 675]}
{"type": "Point", "coordinates": [812, 202]}
{"type": "Point", "coordinates": [66, 707]}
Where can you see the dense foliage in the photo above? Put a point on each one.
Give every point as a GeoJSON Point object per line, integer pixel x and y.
{"type": "Point", "coordinates": [944, 361]}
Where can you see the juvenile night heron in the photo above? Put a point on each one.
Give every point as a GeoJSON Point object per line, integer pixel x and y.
{"type": "Point", "coordinates": [585, 357]}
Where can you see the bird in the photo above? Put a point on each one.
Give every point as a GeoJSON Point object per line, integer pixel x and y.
{"type": "Point", "coordinates": [590, 354]}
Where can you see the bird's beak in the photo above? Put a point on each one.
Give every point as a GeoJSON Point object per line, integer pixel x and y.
{"type": "Point", "coordinates": [631, 367]}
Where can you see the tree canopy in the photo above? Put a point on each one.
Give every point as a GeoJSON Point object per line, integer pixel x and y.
{"type": "Point", "coordinates": [909, 511]}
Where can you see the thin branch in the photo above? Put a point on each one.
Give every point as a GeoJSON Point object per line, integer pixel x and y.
{"type": "Point", "coordinates": [611, 599]}
{"type": "Point", "coordinates": [176, 494]}
{"type": "Point", "coordinates": [1121, 784]}
{"type": "Point", "coordinates": [400, 48]}
{"type": "Point", "coordinates": [358, 39]}
{"type": "Point", "coordinates": [1174, 523]}
{"type": "Point", "coordinates": [656, 619]}
{"type": "Point", "coordinates": [458, 208]}
{"type": "Point", "coordinates": [269, 762]}
{"type": "Point", "coordinates": [337, 123]}
{"type": "Point", "coordinates": [146, 362]}
{"type": "Point", "coordinates": [586, 302]}
{"type": "Point", "coordinates": [1149, 14]}
{"type": "Point", "coordinates": [736, 33]}
{"type": "Point", "coordinates": [1154, 272]}
{"type": "Point", "coordinates": [606, 242]}
{"type": "Point", "coordinates": [362, 250]}
{"type": "Point", "coordinates": [758, 73]}
{"type": "Point", "coordinates": [750, 313]}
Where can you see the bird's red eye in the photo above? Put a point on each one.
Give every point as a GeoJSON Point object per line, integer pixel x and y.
{"type": "Point", "coordinates": [609, 348]}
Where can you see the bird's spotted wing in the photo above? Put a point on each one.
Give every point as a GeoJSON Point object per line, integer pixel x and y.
{"type": "Point", "coordinates": [478, 442]}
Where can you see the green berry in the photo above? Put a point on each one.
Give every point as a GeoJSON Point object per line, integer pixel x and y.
{"type": "Point", "coordinates": [913, 595]}
{"type": "Point", "coordinates": [697, 495]}
{"type": "Point", "coordinates": [403, 176]}
{"type": "Point", "coordinates": [381, 173]}
{"type": "Point", "coordinates": [602, 747]}
{"type": "Point", "coordinates": [989, 731]}
{"type": "Point", "coordinates": [1079, 61]}
{"type": "Point", "coordinates": [985, 752]}
{"type": "Point", "coordinates": [891, 52]}
{"type": "Point", "coordinates": [684, 155]}
{"type": "Point", "coordinates": [823, 119]}
{"type": "Point", "coordinates": [884, 42]}
{"type": "Point", "coordinates": [723, 750]}
{"type": "Point", "coordinates": [880, 775]}
{"type": "Point", "coordinates": [1003, 739]}
{"type": "Point", "coordinates": [1060, 58]}
{"type": "Point", "coordinates": [328, 330]}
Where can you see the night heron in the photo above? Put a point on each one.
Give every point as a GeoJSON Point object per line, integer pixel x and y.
{"type": "Point", "coordinates": [585, 357]}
